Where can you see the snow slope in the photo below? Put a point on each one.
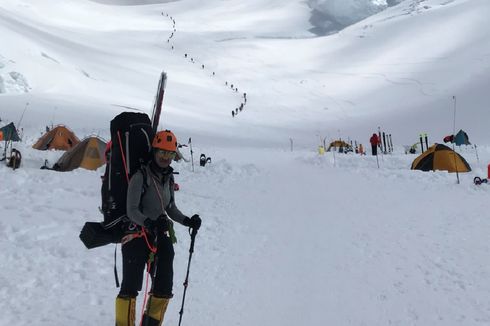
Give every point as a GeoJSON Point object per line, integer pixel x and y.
{"type": "Point", "coordinates": [288, 237]}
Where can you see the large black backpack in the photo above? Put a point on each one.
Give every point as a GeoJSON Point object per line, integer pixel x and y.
{"type": "Point", "coordinates": [131, 137]}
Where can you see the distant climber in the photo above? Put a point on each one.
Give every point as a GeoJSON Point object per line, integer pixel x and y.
{"type": "Point", "coordinates": [374, 140]}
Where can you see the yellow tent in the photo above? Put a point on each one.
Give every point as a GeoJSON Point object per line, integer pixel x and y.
{"type": "Point", "coordinates": [440, 157]}
{"type": "Point", "coordinates": [338, 144]}
{"type": "Point", "coordinates": [88, 154]}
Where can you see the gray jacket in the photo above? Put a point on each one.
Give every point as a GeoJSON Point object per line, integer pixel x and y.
{"type": "Point", "coordinates": [153, 200]}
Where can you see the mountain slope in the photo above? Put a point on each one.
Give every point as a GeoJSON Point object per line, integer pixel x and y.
{"type": "Point", "coordinates": [410, 53]}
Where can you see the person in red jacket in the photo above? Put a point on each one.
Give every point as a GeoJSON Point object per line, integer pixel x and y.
{"type": "Point", "coordinates": [374, 140]}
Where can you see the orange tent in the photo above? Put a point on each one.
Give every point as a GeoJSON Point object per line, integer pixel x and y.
{"type": "Point", "coordinates": [60, 137]}
{"type": "Point", "coordinates": [1, 135]}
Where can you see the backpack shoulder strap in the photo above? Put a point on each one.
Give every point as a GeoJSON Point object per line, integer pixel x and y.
{"type": "Point", "coordinates": [171, 182]}
{"type": "Point", "coordinates": [144, 173]}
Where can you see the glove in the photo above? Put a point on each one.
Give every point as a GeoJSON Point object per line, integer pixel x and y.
{"type": "Point", "coordinates": [158, 225]}
{"type": "Point", "coordinates": [194, 222]}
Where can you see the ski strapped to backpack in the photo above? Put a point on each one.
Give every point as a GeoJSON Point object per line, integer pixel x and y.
{"type": "Point", "coordinates": [131, 137]}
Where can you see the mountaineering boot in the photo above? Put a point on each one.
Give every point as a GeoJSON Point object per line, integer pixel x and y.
{"type": "Point", "coordinates": [155, 310]}
{"type": "Point", "coordinates": [125, 311]}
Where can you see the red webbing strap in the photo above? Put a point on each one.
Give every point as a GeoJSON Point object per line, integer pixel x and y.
{"type": "Point", "coordinates": [153, 250]}
{"type": "Point", "coordinates": [123, 156]}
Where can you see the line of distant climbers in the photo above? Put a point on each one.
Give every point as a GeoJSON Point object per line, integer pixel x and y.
{"type": "Point", "coordinates": [192, 60]}
{"type": "Point", "coordinates": [240, 108]}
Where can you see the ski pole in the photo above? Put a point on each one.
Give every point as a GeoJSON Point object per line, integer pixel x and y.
{"type": "Point", "coordinates": [186, 282]}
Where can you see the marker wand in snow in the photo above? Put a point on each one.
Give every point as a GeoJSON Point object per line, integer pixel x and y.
{"type": "Point", "coordinates": [454, 132]}
{"type": "Point", "coordinates": [192, 153]}
{"type": "Point", "coordinates": [186, 282]}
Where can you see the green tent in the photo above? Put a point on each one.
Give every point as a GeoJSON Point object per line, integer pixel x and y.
{"type": "Point", "coordinates": [461, 138]}
{"type": "Point", "coordinates": [9, 133]}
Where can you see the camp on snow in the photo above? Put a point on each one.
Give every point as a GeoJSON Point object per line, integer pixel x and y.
{"type": "Point", "coordinates": [9, 133]}
{"type": "Point", "coordinates": [60, 138]}
{"type": "Point", "coordinates": [339, 144]}
{"type": "Point", "coordinates": [88, 154]}
{"type": "Point", "coordinates": [440, 157]}
{"type": "Point", "coordinates": [461, 138]}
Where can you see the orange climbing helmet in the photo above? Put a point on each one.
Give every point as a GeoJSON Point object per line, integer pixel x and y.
{"type": "Point", "coordinates": [165, 140]}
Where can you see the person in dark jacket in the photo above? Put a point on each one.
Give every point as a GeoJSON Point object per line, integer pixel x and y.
{"type": "Point", "coordinates": [151, 209]}
{"type": "Point", "coordinates": [374, 140]}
